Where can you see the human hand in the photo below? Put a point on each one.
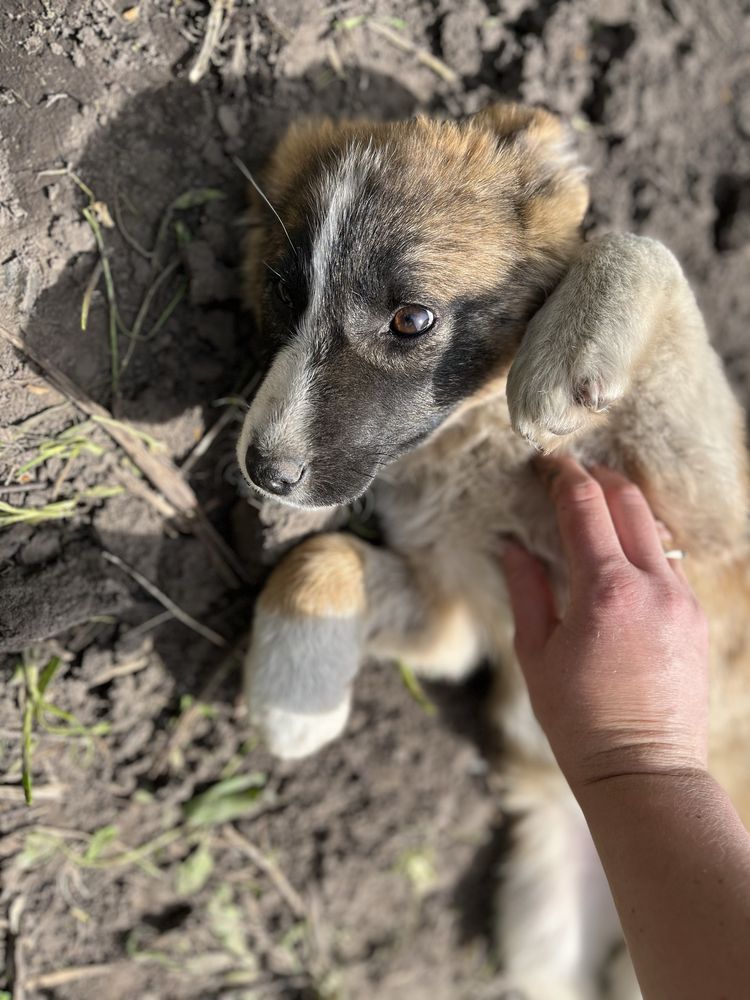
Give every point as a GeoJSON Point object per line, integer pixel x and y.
{"type": "Point", "coordinates": [620, 683]}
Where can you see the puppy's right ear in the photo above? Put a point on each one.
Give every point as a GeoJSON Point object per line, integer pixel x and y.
{"type": "Point", "coordinates": [538, 147]}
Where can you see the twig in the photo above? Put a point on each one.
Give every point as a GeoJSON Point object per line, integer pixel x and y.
{"type": "Point", "coordinates": [211, 37]}
{"type": "Point", "coordinates": [162, 473]}
{"type": "Point", "coordinates": [61, 977]}
{"type": "Point", "coordinates": [406, 45]}
{"type": "Point", "coordinates": [23, 488]}
{"type": "Point", "coordinates": [167, 602]}
{"type": "Point", "coordinates": [151, 623]}
{"type": "Point", "coordinates": [140, 489]}
{"type": "Point", "coordinates": [269, 867]}
{"type": "Point", "coordinates": [122, 669]}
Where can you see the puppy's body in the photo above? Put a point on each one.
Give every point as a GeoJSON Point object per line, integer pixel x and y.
{"type": "Point", "coordinates": [474, 225]}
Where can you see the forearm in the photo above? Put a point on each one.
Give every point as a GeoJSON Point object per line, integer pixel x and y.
{"type": "Point", "coordinates": [678, 861]}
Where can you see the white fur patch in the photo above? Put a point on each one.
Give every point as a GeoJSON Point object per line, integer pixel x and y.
{"type": "Point", "coordinates": [279, 416]}
{"type": "Point", "coordinates": [291, 735]}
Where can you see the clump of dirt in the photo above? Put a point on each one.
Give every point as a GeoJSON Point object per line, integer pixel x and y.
{"type": "Point", "coordinates": [367, 871]}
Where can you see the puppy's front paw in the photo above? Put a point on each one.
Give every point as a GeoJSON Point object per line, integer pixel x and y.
{"type": "Point", "coordinates": [555, 390]}
{"type": "Point", "coordinates": [298, 678]}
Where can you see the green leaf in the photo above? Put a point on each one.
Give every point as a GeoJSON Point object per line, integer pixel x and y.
{"type": "Point", "coordinates": [194, 871]}
{"type": "Point", "coordinates": [199, 196]}
{"type": "Point", "coordinates": [226, 800]}
{"type": "Point", "coordinates": [48, 672]}
{"type": "Point", "coordinates": [415, 689]}
{"type": "Point", "coordinates": [99, 840]}
{"type": "Point", "coordinates": [349, 23]}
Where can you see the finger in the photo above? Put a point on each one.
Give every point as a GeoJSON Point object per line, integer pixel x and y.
{"type": "Point", "coordinates": [635, 524]}
{"type": "Point", "coordinates": [677, 567]}
{"type": "Point", "coordinates": [588, 534]}
{"type": "Point", "coordinates": [531, 600]}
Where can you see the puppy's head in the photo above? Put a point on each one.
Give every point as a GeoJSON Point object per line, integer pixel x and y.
{"type": "Point", "coordinates": [411, 257]}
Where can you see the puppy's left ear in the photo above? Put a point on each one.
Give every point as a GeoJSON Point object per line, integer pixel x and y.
{"type": "Point", "coordinates": [537, 148]}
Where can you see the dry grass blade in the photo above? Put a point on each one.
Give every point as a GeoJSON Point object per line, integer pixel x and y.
{"type": "Point", "coordinates": [167, 602]}
{"type": "Point", "coordinates": [42, 793]}
{"type": "Point", "coordinates": [211, 38]}
{"type": "Point", "coordinates": [426, 58]}
{"type": "Point", "coordinates": [89, 291]}
{"type": "Point", "coordinates": [61, 977]}
{"type": "Point", "coordinates": [269, 867]}
{"type": "Point", "coordinates": [109, 284]}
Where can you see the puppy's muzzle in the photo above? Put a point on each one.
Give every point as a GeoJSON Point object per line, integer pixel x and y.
{"type": "Point", "coordinates": [279, 475]}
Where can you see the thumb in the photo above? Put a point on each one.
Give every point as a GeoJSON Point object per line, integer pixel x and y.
{"type": "Point", "coordinates": [531, 601]}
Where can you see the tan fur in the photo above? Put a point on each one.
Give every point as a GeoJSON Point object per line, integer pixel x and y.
{"type": "Point", "coordinates": [322, 576]}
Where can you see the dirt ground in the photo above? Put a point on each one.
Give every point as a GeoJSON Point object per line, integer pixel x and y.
{"type": "Point", "coordinates": [164, 855]}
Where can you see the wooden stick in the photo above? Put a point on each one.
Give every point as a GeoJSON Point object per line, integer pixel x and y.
{"type": "Point", "coordinates": [167, 602]}
{"type": "Point", "coordinates": [269, 867]}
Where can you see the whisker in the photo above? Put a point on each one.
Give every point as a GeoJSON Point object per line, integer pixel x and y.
{"type": "Point", "coordinates": [272, 270]}
{"type": "Point", "coordinates": [248, 176]}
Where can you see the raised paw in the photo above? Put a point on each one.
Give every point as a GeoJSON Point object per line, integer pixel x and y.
{"type": "Point", "coordinates": [551, 398]}
{"type": "Point", "coordinates": [306, 646]}
{"type": "Point", "coordinates": [581, 350]}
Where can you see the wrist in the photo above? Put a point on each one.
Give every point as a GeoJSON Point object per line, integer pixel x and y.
{"type": "Point", "coordinates": [637, 754]}
{"type": "Point", "coordinates": [649, 786]}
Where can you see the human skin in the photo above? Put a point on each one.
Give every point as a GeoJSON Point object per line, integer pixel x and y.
{"type": "Point", "coordinates": [620, 685]}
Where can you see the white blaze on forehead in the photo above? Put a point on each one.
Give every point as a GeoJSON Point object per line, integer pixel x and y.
{"type": "Point", "coordinates": [337, 195]}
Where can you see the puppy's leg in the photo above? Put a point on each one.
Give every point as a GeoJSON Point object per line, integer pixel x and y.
{"type": "Point", "coordinates": [556, 922]}
{"type": "Point", "coordinates": [620, 347]}
{"type": "Point", "coordinates": [330, 602]}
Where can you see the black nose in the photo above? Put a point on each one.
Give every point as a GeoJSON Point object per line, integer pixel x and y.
{"type": "Point", "coordinates": [275, 475]}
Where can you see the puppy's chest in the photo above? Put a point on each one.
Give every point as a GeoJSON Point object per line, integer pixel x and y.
{"type": "Point", "coordinates": [466, 488]}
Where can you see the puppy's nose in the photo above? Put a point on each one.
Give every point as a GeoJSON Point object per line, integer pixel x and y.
{"type": "Point", "coordinates": [275, 475]}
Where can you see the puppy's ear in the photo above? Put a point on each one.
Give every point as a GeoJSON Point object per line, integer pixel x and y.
{"type": "Point", "coordinates": [552, 194]}
{"type": "Point", "coordinates": [303, 146]}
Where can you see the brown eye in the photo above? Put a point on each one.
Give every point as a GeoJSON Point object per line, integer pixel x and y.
{"type": "Point", "coordinates": [411, 320]}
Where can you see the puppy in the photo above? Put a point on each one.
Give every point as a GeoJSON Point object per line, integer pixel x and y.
{"type": "Point", "coordinates": [434, 317]}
